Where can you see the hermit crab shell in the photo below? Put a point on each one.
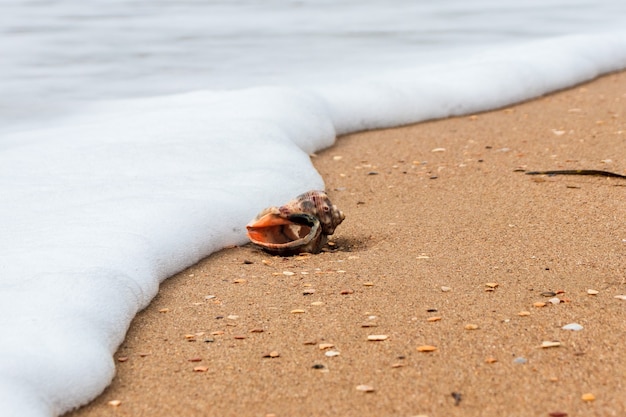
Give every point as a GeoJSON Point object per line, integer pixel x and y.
{"type": "Point", "coordinates": [301, 225]}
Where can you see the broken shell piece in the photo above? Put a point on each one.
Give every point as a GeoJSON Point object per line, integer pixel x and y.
{"type": "Point", "coordinates": [301, 225]}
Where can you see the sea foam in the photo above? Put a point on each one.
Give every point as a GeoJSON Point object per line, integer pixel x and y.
{"type": "Point", "coordinates": [103, 204]}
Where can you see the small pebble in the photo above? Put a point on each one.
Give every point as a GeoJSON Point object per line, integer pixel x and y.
{"type": "Point", "coordinates": [492, 285]}
{"type": "Point", "coordinates": [572, 326]}
{"type": "Point", "coordinates": [433, 319]}
{"type": "Point", "coordinates": [317, 303]}
{"type": "Point", "coordinates": [520, 361]}
{"type": "Point", "coordinates": [272, 354]}
{"type": "Point", "coordinates": [195, 360]}
{"type": "Point", "coordinates": [164, 310]}
{"type": "Point", "coordinates": [232, 317]}
{"type": "Point", "coordinates": [548, 293]}
{"type": "Point", "coordinates": [318, 366]}
{"type": "Point", "coordinates": [332, 353]}
{"type": "Point", "coordinates": [114, 403]}
{"type": "Point", "coordinates": [539, 304]}
{"type": "Point", "coordinates": [365, 388]}
{"type": "Point", "coordinates": [558, 414]}
{"type": "Point", "coordinates": [288, 273]}
{"type": "Point", "coordinates": [588, 397]}
{"type": "Point", "coordinates": [308, 292]}
{"type": "Point", "coordinates": [297, 311]}
{"type": "Point", "coordinates": [377, 337]}
{"type": "Point", "coordinates": [200, 368]}
{"type": "Point", "coordinates": [446, 289]}
{"type": "Point", "coordinates": [593, 292]}
{"type": "Point", "coordinates": [347, 292]}
{"type": "Point", "coordinates": [122, 358]}
{"type": "Point", "coordinates": [471, 327]}
{"type": "Point", "coordinates": [324, 346]}
{"type": "Point", "coordinates": [523, 313]}
{"type": "Point", "coordinates": [491, 359]}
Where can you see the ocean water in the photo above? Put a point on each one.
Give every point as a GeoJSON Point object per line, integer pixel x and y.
{"type": "Point", "coordinates": [137, 137]}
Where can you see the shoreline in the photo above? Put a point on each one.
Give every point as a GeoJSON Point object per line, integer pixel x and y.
{"type": "Point", "coordinates": [434, 212]}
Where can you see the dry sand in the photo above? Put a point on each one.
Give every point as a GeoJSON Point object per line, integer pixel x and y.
{"type": "Point", "coordinates": [428, 206]}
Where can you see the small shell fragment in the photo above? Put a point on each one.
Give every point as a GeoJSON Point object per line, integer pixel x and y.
{"type": "Point", "coordinates": [114, 403]}
{"type": "Point", "coordinates": [426, 348]}
{"type": "Point", "coordinates": [523, 313]}
{"type": "Point", "coordinates": [555, 300]}
{"type": "Point", "coordinates": [365, 388]}
{"type": "Point", "coordinates": [621, 297]}
{"type": "Point", "coordinates": [471, 327]}
{"type": "Point", "coordinates": [331, 353]}
{"type": "Point", "coordinates": [588, 397]}
{"type": "Point", "coordinates": [200, 368]}
{"type": "Point", "coordinates": [491, 359]}
{"type": "Point", "coordinates": [593, 292]}
{"type": "Point", "coordinates": [377, 337]}
{"type": "Point", "coordinates": [433, 319]}
{"type": "Point", "coordinates": [446, 289]}
{"type": "Point", "coordinates": [572, 326]}
{"type": "Point", "coordinates": [549, 344]}
{"type": "Point", "coordinates": [324, 346]}
{"type": "Point", "coordinates": [539, 304]}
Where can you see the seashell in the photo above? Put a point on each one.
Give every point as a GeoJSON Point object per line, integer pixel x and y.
{"type": "Point", "coordinates": [301, 225]}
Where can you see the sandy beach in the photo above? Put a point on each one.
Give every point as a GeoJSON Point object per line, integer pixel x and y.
{"type": "Point", "coordinates": [447, 243]}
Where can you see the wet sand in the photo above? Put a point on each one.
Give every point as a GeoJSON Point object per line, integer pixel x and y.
{"type": "Point", "coordinates": [446, 243]}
